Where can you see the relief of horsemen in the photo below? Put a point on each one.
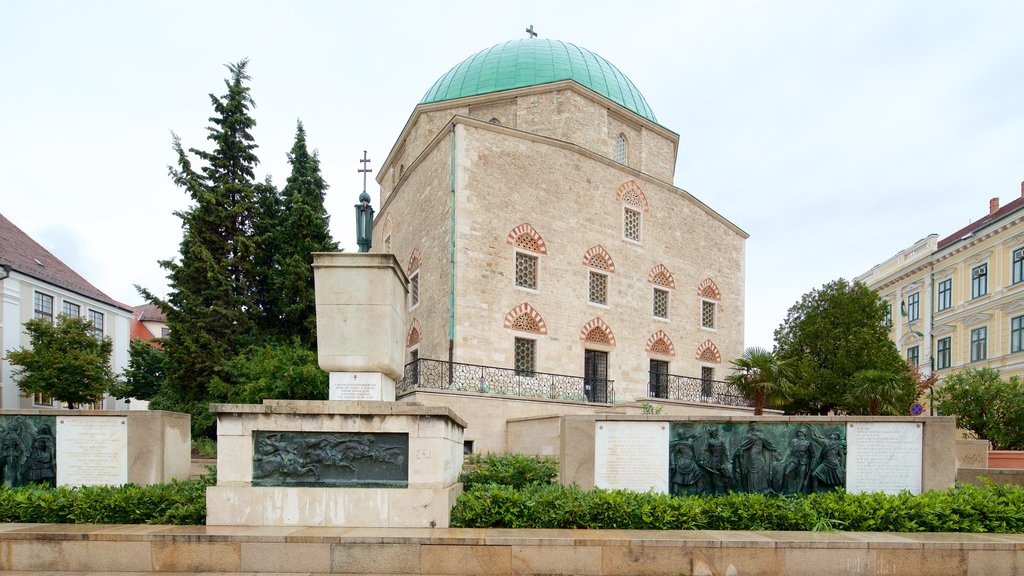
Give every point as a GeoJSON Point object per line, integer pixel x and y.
{"type": "Point", "coordinates": [330, 459]}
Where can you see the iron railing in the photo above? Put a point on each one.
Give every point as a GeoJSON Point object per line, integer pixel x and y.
{"type": "Point", "coordinates": [443, 375]}
{"type": "Point", "coordinates": [700, 390]}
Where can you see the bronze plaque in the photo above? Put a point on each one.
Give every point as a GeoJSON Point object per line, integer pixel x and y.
{"type": "Point", "coordinates": [28, 450]}
{"type": "Point", "coordinates": [765, 458]}
{"type": "Point", "coordinates": [330, 459]}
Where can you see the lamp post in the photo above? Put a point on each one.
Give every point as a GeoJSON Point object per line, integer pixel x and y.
{"type": "Point", "coordinates": [364, 223]}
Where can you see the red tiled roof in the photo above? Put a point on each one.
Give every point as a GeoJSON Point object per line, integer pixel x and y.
{"type": "Point", "coordinates": [23, 254]}
{"type": "Point", "coordinates": [982, 222]}
{"type": "Point", "coordinates": [149, 313]}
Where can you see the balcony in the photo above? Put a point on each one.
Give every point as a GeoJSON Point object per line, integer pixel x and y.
{"type": "Point", "coordinates": [442, 375]}
{"type": "Point", "coordinates": [696, 390]}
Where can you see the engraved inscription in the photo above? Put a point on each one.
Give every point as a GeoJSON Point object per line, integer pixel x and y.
{"type": "Point", "coordinates": [884, 457]}
{"type": "Point", "coordinates": [92, 451]}
{"type": "Point", "coordinates": [631, 455]}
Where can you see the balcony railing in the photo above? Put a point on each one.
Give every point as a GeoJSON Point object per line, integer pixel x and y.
{"type": "Point", "coordinates": [443, 375]}
{"type": "Point", "coordinates": [698, 390]}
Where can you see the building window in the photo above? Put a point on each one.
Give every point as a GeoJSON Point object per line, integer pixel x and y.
{"type": "Point", "coordinates": [526, 271]}
{"type": "Point", "coordinates": [71, 310]}
{"type": "Point", "coordinates": [165, 332]}
{"type": "Point", "coordinates": [913, 355]}
{"type": "Point", "coordinates": [660, 303]}
{"type": "Point", "coordinates": [979, 344]}
{"type": "Point", "coordinates": [620, 149]}
{"type": "Point", "coordinates": [887, 319]}
{"type": "Point", "coordinates": [913, 306]}
{"type": "Point", "coordinates": [1018, 265]}
{"type": "Point", "coordinates": [97, 323]}
{"type": "Point", "coordinates": [526, 356]}
{"type": "Point", "coordinates": [414, 289]}
{"type": "Point", "coordinates": [42, 399]}
{"type": "Point", "coordinates": [707, 381]}
{"type": "Point", "coordinates": [42, 306]}
{"type": "Point", "coordinates": [707, 314]}
{"type": "Point", "coordinates": [942, 353]}
{"type": "Point", "coordinates": [945, 294]}
{"type": "Point", "coordinates": [658, 383]}
{"type": "Point", "coordinates": [1017, 334]}
{"type": "Point", "coordinates": [979, 281]}
{"type": "Point", "coordinates": [598, 288]}
{"type": "Point", "coordinates": [631, 224]}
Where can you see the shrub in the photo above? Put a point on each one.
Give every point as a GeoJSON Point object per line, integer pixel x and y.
{"type": "Point", "coordinates": [515, 470]}
{"type": "Point", "coordinates": [985, 404]}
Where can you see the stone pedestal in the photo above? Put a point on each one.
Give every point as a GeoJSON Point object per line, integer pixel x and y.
{"type": "Point", "coordinates": [323, 459]}
{"type": "Point", "coordinates": [360, 321]}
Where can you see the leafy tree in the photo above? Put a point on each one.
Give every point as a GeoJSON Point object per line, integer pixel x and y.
{"type": "Point", "coordinates": [303, 228]}
{"type": "Point", "coordinates": [985, 404]}
{"type": "Point", "coordinates": [833, 333]}
{"type": "Point", "coordinates": [882, 392]}
{"type": "Point", "coordinates": [146, 372]}
{"type": "Point", "coordinates": [279, 371]}
{"type": "Point", "coordinates": [66, 361]}
{"type": "Point", "coordinates": [761, 376]}
{"type": "Point", "coordinates": [210, 310]}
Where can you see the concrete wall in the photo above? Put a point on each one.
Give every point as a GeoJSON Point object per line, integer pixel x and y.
{"type": "Point", "coordinates": [159, 443]}
{"type": "Point", "coordinates": [59, 549]}
{"type": "Point", "coordinates": [577, 445]}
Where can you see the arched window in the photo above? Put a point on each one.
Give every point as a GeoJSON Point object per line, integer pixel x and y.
{"type": "Point", "coordinates": [601, 267]}
{"type": "Point", "coordinates": [529, 246]}
{"type": "Point", "coordinates": [413, 270]}
{"type": "Point", "coordinates": [620, 148]}
{"type": "Point", "coordinates": [634, 204]}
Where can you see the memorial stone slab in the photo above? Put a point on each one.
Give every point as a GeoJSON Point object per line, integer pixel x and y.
{"type": "Point", "coordinates": [92, 451]}
{"type": "Point", "coordinates": [631, 456]}
{"type": "Point", "coordinates": [884, 457]}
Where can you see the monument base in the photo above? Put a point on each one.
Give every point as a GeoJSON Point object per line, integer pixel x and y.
{"type": "Point", "coordinates": [331, 463]}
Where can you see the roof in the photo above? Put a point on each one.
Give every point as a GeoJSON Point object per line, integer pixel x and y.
{"type": "Point", "coordinates": [149, 313]}
{"type": "Point", "coordinates": [531, 62]}
{"type": "Point", "coordinates": [21, 253]}
{"type": "Point", "coordinates": [981, 223]}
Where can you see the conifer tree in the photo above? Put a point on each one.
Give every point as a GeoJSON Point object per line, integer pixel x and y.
{"type": "Point", "coordinates": [210, 309]}
{"type": "Point", "coordinates": [304, 229]}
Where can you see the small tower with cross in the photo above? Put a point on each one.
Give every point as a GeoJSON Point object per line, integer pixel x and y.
{"type": "Point", "coordinates": [364, 212]}
{"type": "Point", "coordinates": [530, 32]}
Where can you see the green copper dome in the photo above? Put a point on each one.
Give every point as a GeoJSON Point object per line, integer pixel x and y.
{"type": "Point", "coordinates": [530, 62]}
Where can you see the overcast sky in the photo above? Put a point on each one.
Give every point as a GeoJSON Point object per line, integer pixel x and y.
{"type": "Point", "coordinates": [835, 133]}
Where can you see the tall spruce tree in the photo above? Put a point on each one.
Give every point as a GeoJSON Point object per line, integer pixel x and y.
{"type": "Point", "coordinates": [304, 229]}
{"type": "Point", "coordinates": [210, 309]}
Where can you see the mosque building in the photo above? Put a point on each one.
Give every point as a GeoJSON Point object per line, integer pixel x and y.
{"type": "Point", "coordinates": [530, 200]}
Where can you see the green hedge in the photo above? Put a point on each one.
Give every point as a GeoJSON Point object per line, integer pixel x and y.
{"type": "Point", "coordinates": [961, 509]}
{"type": "Point", "coordinates": [179, 502]}
{"type": "Point", "coordinates": [513, 470]}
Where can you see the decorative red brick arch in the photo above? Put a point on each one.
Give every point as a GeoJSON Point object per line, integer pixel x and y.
{"type": "Point", "coordinates": [661, 276]}
{"type": "Point", "coordinates": [524, 236]}
{"type": "Point", "coordinates": [630, 193]}
{"type": "Point", "coordinates": [525, 318]}
{"type": "Point", "coordinates": [414, 334]}
{"type": "Point", "coordinates": [414, 262]}
{"type": "Point", "coordinates": [598, 332]}
{"type": "Point", "coordinates": [708, 289]}
{"type": "Point", "coordinates": [598, 257]}
{"type": "Point", "coordinates": [708, 352]}
{"type": "Point", "coordinates": [660, 343]}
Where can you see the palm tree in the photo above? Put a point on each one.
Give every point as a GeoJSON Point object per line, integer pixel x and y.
{"type": "Point", "coordinates": [882, 391]}
{"type": "Point", "coordinates": [760, 374]}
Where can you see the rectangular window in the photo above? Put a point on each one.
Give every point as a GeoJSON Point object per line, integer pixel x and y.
{"type": "Point", "coordinates": [913, 355]}
{"type": "Point", "coordinates": [526, 271]}
{"type": "Point", "coordinates": [598, 288]}
{"type": "Point", "coordinates": [707, 381]}
{"type": "Point", "coordinates": [595, 375]}
{"type": "Point", "coordinates": [942, 353]}
{"type": "Point", "coordinates": [165, 332]}
{"type": "Point", "coordinates": [97, 323]}
{"type": "Point", "coordinates": [631, 224]}
{"type": "Point", "coordinates": [887, 319]}
{"type": "Point", "coordinates": [660, 303]}
{"type": "Point", "coordinates": [1017, 334]}
{"type": "Point", "coordinates": [1018, 265]}
{"type": "Point", "coordinates": [945, 294]}
{"type": "Point", "coordinates": [526, 356]}
{"type": "Point", "coordinates": [979, 344]}
{"type": "Point", "coordinates": [658, 384]}
{"type": "Point", "coordinates": [71, 309]}
{"type": "Point", "coordinates": [42, 306]}
{"type": "Point", "coordinates": [979, 281]}
{"type": "Point", "coordinates": [414, 289]}
{"type": "Point", "coordinates": [707, 314]}
{"type": "Point", "coordinates": [42, 399]}
{"type": "Point", "coordinates": [913, 306]}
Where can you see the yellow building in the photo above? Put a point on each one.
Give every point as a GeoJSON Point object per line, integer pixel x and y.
{"type": "Point", "coordinates": [958, 302]}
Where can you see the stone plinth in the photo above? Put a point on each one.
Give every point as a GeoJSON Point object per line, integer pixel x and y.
{"type": "Point", "coordinates": [433, 459]}
{"type": "Point", "coordinates": [361, 320]}
{"type": "Point", "coordinates": [154, 447]}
